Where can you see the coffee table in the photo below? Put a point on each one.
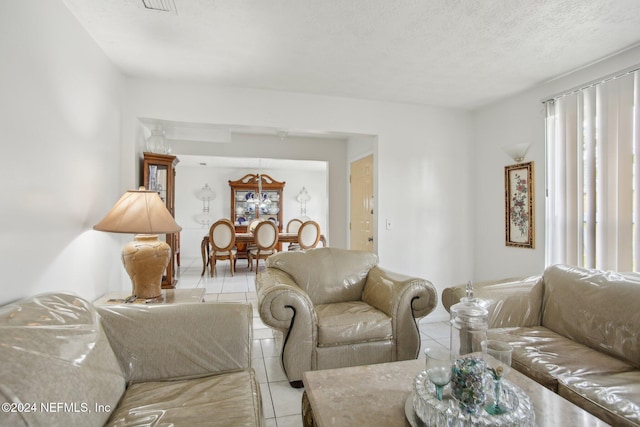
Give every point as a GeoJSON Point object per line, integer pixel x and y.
{"type": "Point", "coordinates": [375, 395]}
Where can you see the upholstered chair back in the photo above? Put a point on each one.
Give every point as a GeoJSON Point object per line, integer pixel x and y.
{"type": "Point", "coordinates": [253, 224]}
{"type": "Point", "coordinates": [294, 225]}
{"type": "Point", "coordinates": [327, 275]}
{"type": "Point", "coordinates": [222, 235]}
{"type": "Point", "coordinates": [266, 235]}
{"type": "Point", "coordinates": [308, 235]}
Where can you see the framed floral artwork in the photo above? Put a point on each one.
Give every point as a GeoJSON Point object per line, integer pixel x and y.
{"type": "Point", "coordinates": [518, 203]}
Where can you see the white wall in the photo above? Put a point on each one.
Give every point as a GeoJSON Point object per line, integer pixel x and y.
{"type": "Point", "coordinates": [360, 146]}
{"type": "Point", "coordinates": [60, 119]}
{"type": "Point", "coordinates": [423, 163]}
{"type": "Point", "coordinates": [516, 120]}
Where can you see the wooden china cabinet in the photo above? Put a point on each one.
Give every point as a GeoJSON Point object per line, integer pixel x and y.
{"type": "Point", "coordinates": [247, 203]}
{"type": "Point", "coordinates": [159, 174]}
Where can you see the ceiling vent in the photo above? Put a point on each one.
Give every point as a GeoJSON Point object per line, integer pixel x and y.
{"type": "Point", "coordinates": [160, 5]}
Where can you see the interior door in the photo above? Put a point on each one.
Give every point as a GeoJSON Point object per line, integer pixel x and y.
{"type": "Point", "coordinates": [362, 204]}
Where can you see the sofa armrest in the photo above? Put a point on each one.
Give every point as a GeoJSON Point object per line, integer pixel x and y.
{"type": "Point", "coordinates": [154, 342]}
{"type": "Point", "coordinates": [284, 306]}
{"type": "Point", "coordinates": [511, 302]}
{"type": "Point", "coordinates": [405, 299]}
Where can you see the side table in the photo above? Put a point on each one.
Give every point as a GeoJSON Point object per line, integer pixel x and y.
{"type": "Point", "coordinates": [169, 296]}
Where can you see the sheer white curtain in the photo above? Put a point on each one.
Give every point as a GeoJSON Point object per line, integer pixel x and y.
{"type": "Point", "coordinates": [593, 176]}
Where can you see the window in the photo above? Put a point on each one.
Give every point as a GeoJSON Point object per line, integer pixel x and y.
{"type": "Point", "coordinates": [593, 175]}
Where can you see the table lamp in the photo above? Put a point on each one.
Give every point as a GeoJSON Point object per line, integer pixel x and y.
{"type": "Point", "coordinates": [143, 213]}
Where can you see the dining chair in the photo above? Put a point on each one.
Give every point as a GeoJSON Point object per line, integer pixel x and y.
{"type": "Point", "coordinates": [309, 235]}
{"type": "Point", "coordinates": [222, 236]}
{"type": "Point", "coordinates": [251, 228]}
{"type": "Point", "coordinates": [253, 224]}
{"type": "Point", "coordinates": [266, 238]}
{"type": "Point", "coordinates": [292, 227]}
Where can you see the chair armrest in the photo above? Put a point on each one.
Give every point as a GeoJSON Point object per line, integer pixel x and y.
{"type": "Point", "coordinates": [511, 302]}
{"type": "Point", "coordinates": [387, 291]}
{"type": "Point", "coordinates": [154, 342]}
{"type": "Point", "coordinates": [404, 299]}
{"type": "Point", "coordinates": [280, 298]}
{"type": "Point", "coordinates": [284, 306]}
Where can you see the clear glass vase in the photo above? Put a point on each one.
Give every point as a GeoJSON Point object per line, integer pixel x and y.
{"type": "Point", "coordinates": [469, 383]}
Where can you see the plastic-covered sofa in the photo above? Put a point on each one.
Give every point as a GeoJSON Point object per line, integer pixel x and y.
{"type": "Point", "coordinates": [65, 362]}
{"type": "Point", "coordinates": [337, 308]}
{"type": "Point", "coordinates": [576, 331]}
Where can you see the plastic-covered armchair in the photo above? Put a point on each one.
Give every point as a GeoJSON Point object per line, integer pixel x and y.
{"type": "Point", "coordinates": [337, 308]}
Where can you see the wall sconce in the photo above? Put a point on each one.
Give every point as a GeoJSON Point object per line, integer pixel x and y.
{"type": "Point", "coordinates": [303, 197]}
{"type": "Point", "coordinates": [205, 194]}
{"type": "Point", "coordinates": [517, 151]}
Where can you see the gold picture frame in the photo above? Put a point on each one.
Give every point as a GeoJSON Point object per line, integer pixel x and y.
{"type": "Point", "coordinates": [518, 203]}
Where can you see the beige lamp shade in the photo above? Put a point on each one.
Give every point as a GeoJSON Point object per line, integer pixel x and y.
{"type": "Point", "coordinates": [143, 213]}
{"type": "Point", "coordinates": [139, 212]}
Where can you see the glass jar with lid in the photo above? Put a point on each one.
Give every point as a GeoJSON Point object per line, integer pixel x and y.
{"type": "Point", "coordinates": [469, 322]}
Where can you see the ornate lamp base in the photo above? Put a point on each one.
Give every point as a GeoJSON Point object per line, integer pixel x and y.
{"type": "Point", "coordinates": [145, 260]}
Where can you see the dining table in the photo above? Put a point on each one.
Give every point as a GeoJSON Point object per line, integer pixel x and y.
{"type": "Point", "coordinates": [247, 239]}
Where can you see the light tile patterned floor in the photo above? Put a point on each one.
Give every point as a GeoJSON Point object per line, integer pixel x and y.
{"type": "Point", "coordinates": [281, 402]}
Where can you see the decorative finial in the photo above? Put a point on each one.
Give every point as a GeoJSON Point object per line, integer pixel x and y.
{"type": "Point", "coordinates": [469, 290]}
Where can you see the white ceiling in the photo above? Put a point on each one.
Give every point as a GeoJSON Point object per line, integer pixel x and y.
{"type": "Point", "coordinates": [457, 53]}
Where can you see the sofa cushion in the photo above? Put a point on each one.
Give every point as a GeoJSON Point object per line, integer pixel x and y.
{"type": "Point", "coordinates": [350, 323]}
{"type": "Point", "coordinates": [545, 356]}
{"type": "Point", "coordinates": [327, 275]}
{"type": "Point", "coordinates": [231, 399]}
{"type": "Point", "coordinates": [53, 350]}
{"type": "Point", "coordinates": [596, 308]}
{"type": "Point", "coordinates": [614, 398]}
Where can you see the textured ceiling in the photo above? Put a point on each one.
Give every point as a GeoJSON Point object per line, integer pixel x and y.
{"type": "Point", "coordinates": [457, 53]}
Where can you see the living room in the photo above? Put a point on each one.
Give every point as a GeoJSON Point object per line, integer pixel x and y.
{"type": "Point", "coordinates": [72, 137]}
{"type": "Point", "coordinates": [73, 145]}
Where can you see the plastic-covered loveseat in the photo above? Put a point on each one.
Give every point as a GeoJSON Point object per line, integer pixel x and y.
{"type": "Point", "coordinates": [574, 330]}
{"type": "Point", "coordinates": [337, 308]}
{"type": "Point", "coordinates": [65, 362]}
